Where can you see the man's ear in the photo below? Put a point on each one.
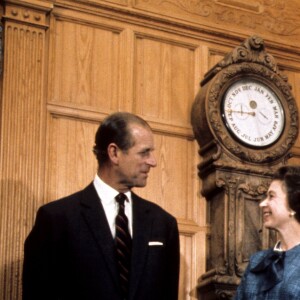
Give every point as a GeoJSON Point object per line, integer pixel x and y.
{"type": "Point", "coordinates": [113, 153]}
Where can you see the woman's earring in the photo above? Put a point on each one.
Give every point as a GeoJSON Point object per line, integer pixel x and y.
{"type": "Point", "coordinates": [292, 213]}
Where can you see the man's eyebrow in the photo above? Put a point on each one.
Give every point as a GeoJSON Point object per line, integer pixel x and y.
{"type": "Point", "coordinates": [148, 149]}
{"type": "Point", "coordinates": [145, 150]}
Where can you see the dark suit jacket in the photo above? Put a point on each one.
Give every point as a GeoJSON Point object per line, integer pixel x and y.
{"type": "Point", "coordinates": [70, 252]}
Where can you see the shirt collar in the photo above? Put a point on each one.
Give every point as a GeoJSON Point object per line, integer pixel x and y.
{"type": "Point", "coordinates": [277, 247]}
{"type": "Point", "coordinates": [106, 193]}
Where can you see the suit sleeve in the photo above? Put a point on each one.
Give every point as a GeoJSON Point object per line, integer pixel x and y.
{"type": "Point", "coordinates": [39, 278]}
{"type": "Point", "coordinates": [173, 262]}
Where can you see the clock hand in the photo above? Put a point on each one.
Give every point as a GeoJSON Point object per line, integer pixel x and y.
{"type": "Point", "coordinates": [263, 115]}
{"type": "Point", "coordinates": [241, 110]}
{"type": "Point", "coordinates": [251, 113]}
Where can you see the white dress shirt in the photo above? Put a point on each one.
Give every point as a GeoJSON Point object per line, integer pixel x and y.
{"type": "Point", "coordinates": [107, 197]}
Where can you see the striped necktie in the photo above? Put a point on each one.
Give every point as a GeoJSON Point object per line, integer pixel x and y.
{"type": "Point", "coordinates": [123, 244]}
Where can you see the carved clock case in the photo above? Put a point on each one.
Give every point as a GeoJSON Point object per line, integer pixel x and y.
{"type": "Point", "coordinates": [245, 120]}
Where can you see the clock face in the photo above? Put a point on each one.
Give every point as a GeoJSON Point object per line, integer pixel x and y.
{"type": "Point", "coordinates": [253, 113]}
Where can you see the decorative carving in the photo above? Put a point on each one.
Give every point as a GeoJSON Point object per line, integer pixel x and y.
{"type": "Point", "coordinates": [219, 286]}
{"type": "Point", "coordinates": [251, 50]}
{"type": "Point", "coordinates": [254, 6]}
{"type": "Point", "coordinates": [215, 119]}
{"type": "Point", "coordinates": [201, 8]}
{"type": "Point", "coordinates": [276, 17]}
{"type": "Point", "coordinates": [14, 12]}
{"type": "Point", "coordinates": [223, 294]}
{"type": "Point", "coordinates": [235, 177]}
{"type": "Point", "coordinates": [239, 190]}
{"type": "Point", "coordinates": [253, 190]}
{"type": "Point", "coordinates": [248, 59]}
{"type": "Point", "coordinates": [33, 15]}
{"type": "Point", "coordinates": [240, 269]}
{"type": "Point", "coordinates": [95, 2]}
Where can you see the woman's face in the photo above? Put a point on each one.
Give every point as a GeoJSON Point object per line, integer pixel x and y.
{"type": "Point", "coordinates": [275, 209]}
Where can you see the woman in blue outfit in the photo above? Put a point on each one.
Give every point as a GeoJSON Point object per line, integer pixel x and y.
{"type": "Point", "coordinates": [274, 274]}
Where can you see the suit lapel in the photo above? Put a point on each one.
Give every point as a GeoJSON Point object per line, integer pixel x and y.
{"type": "Point", "coordinates": [142, 224]}
{"type": "Point", "coordinates": [94, 215]}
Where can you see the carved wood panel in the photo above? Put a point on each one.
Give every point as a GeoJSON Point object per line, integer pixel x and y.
{"type": "Point", "coordinates": [294, 79]}
{"type": "Point", "coordinates": [22, 137]}
{"type": "Point", "coordinates": [274, 18]}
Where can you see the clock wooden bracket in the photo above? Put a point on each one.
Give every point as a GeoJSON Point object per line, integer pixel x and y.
{"type": "Point", "coordinates": [235, 176]}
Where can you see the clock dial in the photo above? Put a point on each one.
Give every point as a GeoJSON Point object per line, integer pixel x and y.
{"type": "Point", "coordinates": [253, 113]}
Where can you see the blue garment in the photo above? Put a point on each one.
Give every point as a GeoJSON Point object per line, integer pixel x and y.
{"type": "Point", "coordinates": [253, 283]}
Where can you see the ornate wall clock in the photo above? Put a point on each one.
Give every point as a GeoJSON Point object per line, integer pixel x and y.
{"type": "Point", "coordinates": [245, 120]}
{"type": "Point", "coordinates": [247, 106]}
{"type": "Point", "coordinates": [253, 112]}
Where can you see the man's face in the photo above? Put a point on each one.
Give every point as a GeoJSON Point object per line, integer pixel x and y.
{"type": "Point", "coordinates": [135, 163]}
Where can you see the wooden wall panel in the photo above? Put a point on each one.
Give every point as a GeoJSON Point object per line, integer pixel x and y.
{"type": "Point", "coordinates": [86, 65]}
{"type": "Point", "coordinates": [174, 153]}
{"type": "Point", "coordinates": [191, 264]}
{"type": "Point", "coordinates": [71, 164]}
{"type": "Point", "coordinates": [164, 80]}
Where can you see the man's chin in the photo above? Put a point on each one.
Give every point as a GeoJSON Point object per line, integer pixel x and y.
{"type": "Point", "coordinates": [140, 183]}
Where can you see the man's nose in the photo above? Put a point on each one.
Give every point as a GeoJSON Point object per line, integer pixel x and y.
{"type": "Point", "coordinates": [152, 160]}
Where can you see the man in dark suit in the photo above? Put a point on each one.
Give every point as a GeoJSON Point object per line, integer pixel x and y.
{"type": "Point", "coordinates": [71, 252]}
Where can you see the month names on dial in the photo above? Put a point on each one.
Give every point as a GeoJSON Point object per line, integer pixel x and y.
{"type": "Point", "coordinates": [253, 113]}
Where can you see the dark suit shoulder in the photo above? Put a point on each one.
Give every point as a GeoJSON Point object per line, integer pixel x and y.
{"type": "Point", "coordinates": [153, 207]}
{"type": "Point", "coordinates": [57, 216]}
{"type": "Point", "coordinates": [69, 202]}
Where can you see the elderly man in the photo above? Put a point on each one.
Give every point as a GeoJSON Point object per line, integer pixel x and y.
{"type": "Point", "coordinates": [105, 242]}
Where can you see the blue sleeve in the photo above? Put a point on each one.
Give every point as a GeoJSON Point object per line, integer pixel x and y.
{"type": "Point", "coordinates": [240, 292]}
